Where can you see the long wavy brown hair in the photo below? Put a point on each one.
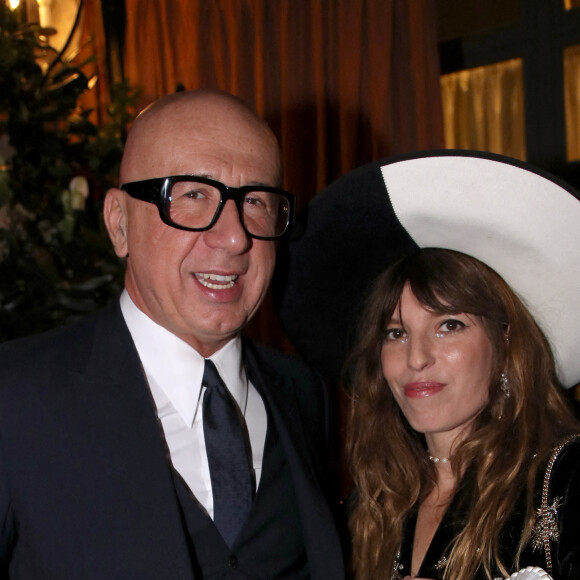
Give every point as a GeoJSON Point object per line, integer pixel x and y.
{"type": "Point", "coordinates": [388, 460]}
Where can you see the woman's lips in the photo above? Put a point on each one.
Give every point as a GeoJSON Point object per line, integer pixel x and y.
{"type": "Point", "coordinates": [422, 389]}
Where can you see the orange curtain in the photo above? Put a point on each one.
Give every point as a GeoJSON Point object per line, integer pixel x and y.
{"type": "Point", "coordinates": [93, 48]}
{"type": "Point", "coordinates": [341, 82]}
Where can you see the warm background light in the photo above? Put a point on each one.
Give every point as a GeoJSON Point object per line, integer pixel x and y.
{"type": "Point", "coordinates": [13, 4]}
{"type": "Point", "coordinates": [45, 12]}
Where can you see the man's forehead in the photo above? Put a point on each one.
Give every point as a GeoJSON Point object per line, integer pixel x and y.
{"type": "Point", "coordinates": [168, 135]}
{"type": "Point", "coordinates": [203, 108]}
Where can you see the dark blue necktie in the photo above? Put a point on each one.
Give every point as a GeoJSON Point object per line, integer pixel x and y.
{"type": "Point", "coordinates": [227, 455]}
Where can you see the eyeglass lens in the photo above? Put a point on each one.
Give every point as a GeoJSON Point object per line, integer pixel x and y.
{"type": "Point", "coordinates": [194, 204]}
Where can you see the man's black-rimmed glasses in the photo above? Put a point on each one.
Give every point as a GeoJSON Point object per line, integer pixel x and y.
{"type": "Point", "coordinates": [193, 203]}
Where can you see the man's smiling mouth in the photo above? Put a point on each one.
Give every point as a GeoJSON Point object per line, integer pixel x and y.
{"type": "Point", "coordinates": [216, 281]}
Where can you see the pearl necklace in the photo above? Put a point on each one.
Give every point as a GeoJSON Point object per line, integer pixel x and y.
{"type": "Point", "coordinates": [439, 459]}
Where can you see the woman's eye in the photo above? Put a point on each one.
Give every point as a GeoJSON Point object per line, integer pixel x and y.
{"type": "Point", "coordinates": [394, 334]}
{"type": "Point", "coordinates": [451, 325]}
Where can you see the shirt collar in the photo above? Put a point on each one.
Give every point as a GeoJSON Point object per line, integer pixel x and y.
{"type": "Point", "coordinates": [177, 367]}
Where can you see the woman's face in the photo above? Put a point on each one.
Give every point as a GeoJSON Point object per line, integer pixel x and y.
{"type": "Point", "coordinates": [438, 367]}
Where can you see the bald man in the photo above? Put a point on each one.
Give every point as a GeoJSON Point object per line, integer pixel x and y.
{"type": "Point", "coordinates": [150, 440]}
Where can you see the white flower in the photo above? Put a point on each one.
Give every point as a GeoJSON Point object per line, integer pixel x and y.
{"type": "Point", "coordinates": [79, 188]}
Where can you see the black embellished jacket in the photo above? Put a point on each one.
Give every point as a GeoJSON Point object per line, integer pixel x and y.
{"type": "Point", "coordinates": [563, 502]}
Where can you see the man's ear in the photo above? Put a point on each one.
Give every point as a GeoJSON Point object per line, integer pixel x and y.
{"type": "Point", "coordinates": [115, 216]}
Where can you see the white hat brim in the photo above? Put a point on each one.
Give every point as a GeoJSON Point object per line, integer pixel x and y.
{"type": "Point", "coordinates": [523, 225]}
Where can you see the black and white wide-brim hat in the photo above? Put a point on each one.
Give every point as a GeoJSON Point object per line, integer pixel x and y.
{"type": "Point", "coordinates": [522, 222]}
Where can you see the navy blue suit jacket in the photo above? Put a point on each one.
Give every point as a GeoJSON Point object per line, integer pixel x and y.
{"type": "Point", "coordinates": [85, 485]}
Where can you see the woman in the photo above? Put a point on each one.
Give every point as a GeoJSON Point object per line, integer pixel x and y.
{"type": "Point", "coordinates": [455, 380]}
{"type": "Point", "coordinates": [455, 412]}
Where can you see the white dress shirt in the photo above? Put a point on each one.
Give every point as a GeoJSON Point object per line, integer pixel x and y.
{"type": "Point", "coordinates": [174, 371]}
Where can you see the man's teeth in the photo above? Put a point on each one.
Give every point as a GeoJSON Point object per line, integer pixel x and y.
{"type": "Point", "coordinates": [216, 281]}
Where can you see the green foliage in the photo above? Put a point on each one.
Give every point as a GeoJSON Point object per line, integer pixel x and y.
{"type": "Point", "coordinates": [56, 262]}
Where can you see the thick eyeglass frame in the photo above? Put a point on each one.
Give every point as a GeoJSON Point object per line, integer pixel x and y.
{"type": "Point", "coordinates": [157, 192]}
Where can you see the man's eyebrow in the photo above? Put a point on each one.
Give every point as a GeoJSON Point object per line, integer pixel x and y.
{"type": "Point", "coordinates": [203, 174]}
{"type": "Point", "coordinates": [207, 175]}
{"type": "Point", "coordinates": [259, 184]}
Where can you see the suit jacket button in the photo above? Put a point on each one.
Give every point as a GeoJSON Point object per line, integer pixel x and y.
{"type": "Point", "coordinates": [233, 563]}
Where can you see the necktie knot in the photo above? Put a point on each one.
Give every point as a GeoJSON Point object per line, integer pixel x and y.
{"type": "Point", "coordinates": [211, 378]}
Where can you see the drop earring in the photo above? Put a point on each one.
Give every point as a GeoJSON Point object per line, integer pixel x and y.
{"type": "Point", "coordinates": [504, 385]}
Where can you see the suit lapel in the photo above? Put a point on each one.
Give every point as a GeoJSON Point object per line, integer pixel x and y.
{"type": "Point", "coordinates": [279, 394]}
{"type": "Point", "coordinates": [124, 424]}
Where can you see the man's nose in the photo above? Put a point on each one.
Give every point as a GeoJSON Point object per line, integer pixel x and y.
{"type": "Point", "coordinates": [228, 233]}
